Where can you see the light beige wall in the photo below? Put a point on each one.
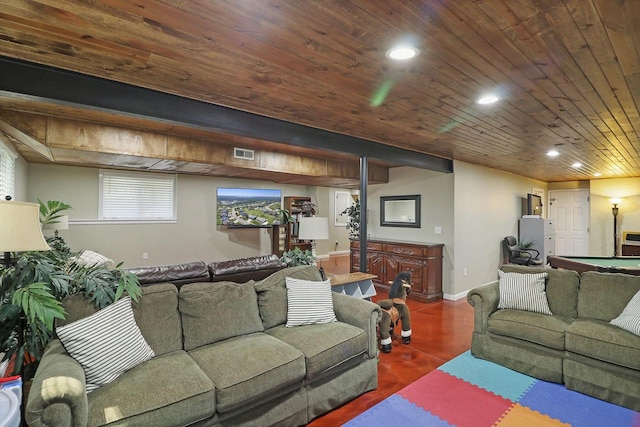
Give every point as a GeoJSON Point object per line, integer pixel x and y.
{"type": "Point", "coordinates": [436, 190]}
{"type": "Point", "coordinates": [20, 179]}
{"type": "Point", "coordinates": [602, 190]}
{"type": "Point", "coordinates": [487, 206]}
{"type": "Point", "coordinates": [194, 236]}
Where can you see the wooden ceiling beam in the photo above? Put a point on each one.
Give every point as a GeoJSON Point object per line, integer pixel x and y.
{"type": "Point", "coordinates": [65, 87]}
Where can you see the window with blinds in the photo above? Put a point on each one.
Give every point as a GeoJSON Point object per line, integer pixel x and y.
{"type": "Point", "coordinates": [131, 196]}
{"type": "Point", "coordinates": [7, 172]}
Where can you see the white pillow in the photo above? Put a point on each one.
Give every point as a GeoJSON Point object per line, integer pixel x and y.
{"type": "Point", "coordinates": [309, 302]}
{"type": "Point", "coordinates": [93, 259]}
{"type": "Point", "coordinates": [629, 319]}
{"type": "Point", "coordinates": [523, 291]}
{"type": "Point", "coordinates": [106, 344]}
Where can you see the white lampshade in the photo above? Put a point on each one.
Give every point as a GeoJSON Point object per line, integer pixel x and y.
{"type": "Point", "coordinates": [61, 223]}
{"type": "Point", "coordinates": [313, 228]}
{"type": "Point", "coordinates": [20, 227]}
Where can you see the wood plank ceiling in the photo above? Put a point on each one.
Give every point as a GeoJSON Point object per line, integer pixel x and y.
{"type": "Point", "coordinates": [567, 73]}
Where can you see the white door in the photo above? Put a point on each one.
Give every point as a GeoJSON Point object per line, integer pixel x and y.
{"type": "Point", "coordinates": [570, 211]}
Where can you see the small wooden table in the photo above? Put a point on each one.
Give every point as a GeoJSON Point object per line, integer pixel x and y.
{"type": "Point", "coordinates": [359, 285]}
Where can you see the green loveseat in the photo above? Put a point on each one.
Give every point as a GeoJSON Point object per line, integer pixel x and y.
{"type": "Point", "coordinates": [575, 345]}
{"type": "Point", "coordinates": [223, 356]}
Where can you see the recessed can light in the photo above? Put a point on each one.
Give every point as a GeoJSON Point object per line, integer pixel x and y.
{"type": "Point", "coordinates": [576, 165]}
{"type": "Point", "coordinates": [402, 53]}
{"type": "Point", "coordinates": [597, 174]}
{"type": "Point", "coordinates": [488, 99]}
{"type": "Point", "coordinates": [553, 153]}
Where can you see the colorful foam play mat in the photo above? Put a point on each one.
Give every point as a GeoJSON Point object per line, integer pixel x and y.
{"type": "Point", "coordinates": [471, 392]}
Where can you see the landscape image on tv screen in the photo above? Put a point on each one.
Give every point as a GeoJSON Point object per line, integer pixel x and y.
{"type": "Point", "coordinates": [248, 207]}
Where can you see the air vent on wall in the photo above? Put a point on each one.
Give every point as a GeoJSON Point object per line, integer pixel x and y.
{"type": "Point", "coordinates": [242, 153]}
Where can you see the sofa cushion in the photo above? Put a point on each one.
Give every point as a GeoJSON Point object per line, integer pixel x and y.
{"type": "Point", "coordinates": [157, 315]}
{"type": "Point", "coordinates": [529, 326]}
{"type": "Point", "coordinates": [106, 344]}
{"type": "Point", "coordinates": [561, 287]}
{"type": "Point", "coordinates": [309, 302]}
{"type": "Point", "coordinates": [629, 319]}
{"type": "Point", "coordinates": [598, 339]}
{"type": "Point", "coordinates": [523, 292]}
{"type": "Point", "coordinates": [176, 392]}
{"type": "Point", "coordinates": [247, 368]}
{"type": "Point", "coordinates": [272, 293]}
{"type": "Point", "coordinates": [213, 312]}
{"type": "Point", "coordinates": [158, 305]}
{"type": "Point", "coordinates": [615, 289]}
{"type": "Point", "coordinates": [325, 346]}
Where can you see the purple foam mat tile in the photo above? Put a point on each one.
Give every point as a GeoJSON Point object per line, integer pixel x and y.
{"type": "Point", "coordinates": [396, 411]}
{"type": "Point", "coordinates": [575, 408]}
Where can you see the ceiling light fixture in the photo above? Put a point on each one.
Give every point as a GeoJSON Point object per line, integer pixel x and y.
{"type": "Point", "coordinates": [488, 99]}
{"type": "Point", "coordinates": [576, 165]}
{"type": "Point", "coordinates": [597, 174]}
{"type": "Point", "coordinates": [402, 53]}
{"type": "Point", "coordinates": [553, 153]}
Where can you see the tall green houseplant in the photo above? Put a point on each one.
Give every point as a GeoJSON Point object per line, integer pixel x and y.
{"type": "Point", "coordinates": [33, 287]}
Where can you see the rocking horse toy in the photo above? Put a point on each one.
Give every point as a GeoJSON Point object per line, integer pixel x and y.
{"type": "Point", "coordinates": [395, 309]}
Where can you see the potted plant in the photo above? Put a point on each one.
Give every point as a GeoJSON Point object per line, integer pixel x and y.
{"type": "Point", "coordinates": [297, 256]}
{"type": "Point", "coordinates": [33, 287]}
{"type": "Point", "coordinates": [353, 225]}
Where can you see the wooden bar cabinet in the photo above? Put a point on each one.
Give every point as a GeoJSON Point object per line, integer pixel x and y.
{"type": "Point", "coordinates": [386, 259]}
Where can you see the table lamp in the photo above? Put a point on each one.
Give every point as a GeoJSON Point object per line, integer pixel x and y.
{"type": "Point", "coordinates": [20, 229]}
{"type": "Point", "coordinates": [313, 228]}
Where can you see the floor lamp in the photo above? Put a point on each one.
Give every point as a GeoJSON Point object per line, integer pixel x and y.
{"type": "Point", "coordinates": [614, 211]}
{"type": "Point", "coordinates": [313, 228]}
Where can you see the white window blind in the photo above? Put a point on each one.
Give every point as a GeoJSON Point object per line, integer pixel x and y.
{"type": "Point", "coordinates": [130, 196]}
{"type": "Point", "coordinates": [7, 172]}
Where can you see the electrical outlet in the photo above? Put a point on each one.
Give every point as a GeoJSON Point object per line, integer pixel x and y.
{"type": "Point", "coordinates": [145, 255]}
{"type": "Point", "coordinates": [437, 230]}
{"type": "Point", "coordinates": [464, 272]}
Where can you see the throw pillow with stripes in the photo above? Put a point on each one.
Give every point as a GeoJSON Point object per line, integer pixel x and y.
{"type": "Point", "coordinates": [523, 291]}
{"type": "Point", "coordinates": [309, 302]}
{"type": "Point", "coordinates": [106, 344]}
{"type": "Point", "coordinates": [629, 319]}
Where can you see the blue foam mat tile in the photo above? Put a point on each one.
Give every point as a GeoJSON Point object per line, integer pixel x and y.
{"type": "Point", "coordinates": [575, 408]}
{"type": "Point", "coordinates": [396, 411]}
{"type": "Point", "coordinates": [492, 377]}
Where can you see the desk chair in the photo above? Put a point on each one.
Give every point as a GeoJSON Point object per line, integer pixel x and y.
{"type": "Point", "coordinates": [516, 255]}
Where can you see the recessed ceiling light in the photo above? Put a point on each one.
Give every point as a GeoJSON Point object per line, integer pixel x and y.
{"type": "Point", "coordinates": [576, 165]}
{"type": "Point", "coordinates": [402, 53]}
{"type": "Point", "coordinates": [553, 153]}
{"type": "Point", "coordinates": [597, 174]}
{"type": "Point", "coordinates": [488, 99]}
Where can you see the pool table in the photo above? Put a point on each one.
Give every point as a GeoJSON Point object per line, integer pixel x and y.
{"type": "Point", "coordinates": [604, 264]}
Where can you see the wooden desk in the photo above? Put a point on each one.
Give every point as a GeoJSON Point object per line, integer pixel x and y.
{"type": "Point", "coordinates": [359, 285]}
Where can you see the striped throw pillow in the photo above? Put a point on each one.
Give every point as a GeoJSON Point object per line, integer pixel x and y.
{"type": "Point", "coordinates": [309, 302]}
{"type": "Point", "coordinates": [106, 344]}
{"type": "Point", "coordinates": [629, 319]}
{"type": "Point", "coordinates": [523, 291]}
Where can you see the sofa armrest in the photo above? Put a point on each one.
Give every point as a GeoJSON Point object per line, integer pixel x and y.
{"type": "Point", "coordinates": [484, 300]}
{"type": "Point", "coordinates": [57, 396]}
{"type": "Point", "coordinates": [361, 313]}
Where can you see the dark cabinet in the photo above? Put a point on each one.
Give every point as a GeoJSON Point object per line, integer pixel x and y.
{"type": "Point", "coordinates": [386, 259]}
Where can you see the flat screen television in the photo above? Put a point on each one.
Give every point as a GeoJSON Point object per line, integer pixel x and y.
{"type": "Point", "coordinates": [534, 204]}
{"type": "Point", "coordinates": [248, 207]}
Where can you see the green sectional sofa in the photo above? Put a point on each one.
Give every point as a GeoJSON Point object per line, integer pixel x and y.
{"type": "Point", "coordinates": [575, 345]}
{"type": "Point", "coordinates": [223, 357]}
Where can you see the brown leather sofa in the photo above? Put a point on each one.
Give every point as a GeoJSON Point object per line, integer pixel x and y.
{"type": "Point", "coordinates": [235, 270]}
